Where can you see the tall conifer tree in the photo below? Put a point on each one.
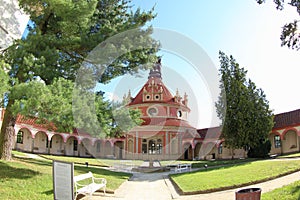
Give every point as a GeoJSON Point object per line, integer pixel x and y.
{"type": "Point", "coordinates": [243, 109]}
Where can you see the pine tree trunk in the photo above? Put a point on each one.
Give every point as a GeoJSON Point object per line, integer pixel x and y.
{"type": "Point", "coordinates": [7, 135]}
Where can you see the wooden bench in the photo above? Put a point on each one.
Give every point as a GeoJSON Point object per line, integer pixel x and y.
{"type": "Point", "coordinates": [183, 167]}
{"type": "Point", "coordinates": [90, 185]}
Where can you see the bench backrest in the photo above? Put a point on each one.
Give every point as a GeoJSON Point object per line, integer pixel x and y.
{"type": "Point", "coordinates": [83, 176]}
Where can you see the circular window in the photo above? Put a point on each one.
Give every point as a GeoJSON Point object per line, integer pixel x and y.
{"type": "Point", "coordinates": [147, 97]}
{"type": "Point", "coordinates": [179, 113]}
{"type": "Point", "coordinates": [157, 97]}
{"type": "Point", "coordinates": [152, 111]}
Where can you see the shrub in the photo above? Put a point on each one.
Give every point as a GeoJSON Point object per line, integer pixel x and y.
{"type": "Point", "coordinates": [261, 150]}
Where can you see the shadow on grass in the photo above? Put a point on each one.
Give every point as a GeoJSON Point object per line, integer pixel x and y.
{"type": "Point", "coordinates": [217, 167]}
{"type": "Point", "coordinates": [101, 171]}
{"type": "Point", "coordinates": [296, 190]}
{"type": "Point", "coordinates": [214, 163]}
{"type": "Point", "coordinates": [36, 161]}
{"type": "Point", "coordinates": [49, 192]}
{"type": "Point", "coordinates": [11, 172]}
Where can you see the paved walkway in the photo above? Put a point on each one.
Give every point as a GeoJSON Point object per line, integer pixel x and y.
{"type": "Point", "coordinates": [153, 186]}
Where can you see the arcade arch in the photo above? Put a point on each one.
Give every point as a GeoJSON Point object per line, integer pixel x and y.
{"type": "Point", "coordinates": [56, 145]}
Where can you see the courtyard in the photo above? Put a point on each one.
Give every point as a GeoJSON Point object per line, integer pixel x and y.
{"type": "Point", "coordinates": [30, 176]}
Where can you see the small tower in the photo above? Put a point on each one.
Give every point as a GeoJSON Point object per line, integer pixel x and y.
{"type": "Point", "coordinates": [155, 72]}
{"type": "Point", "coordinates": [165, 128]}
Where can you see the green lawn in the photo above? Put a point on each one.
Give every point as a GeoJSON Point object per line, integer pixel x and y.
{"type": "Point", "coordinates": [27, 178]}
{"type": "Point", "coordinates": [233, 176]}
{"type": "Point", "coordinates": [289, 192]}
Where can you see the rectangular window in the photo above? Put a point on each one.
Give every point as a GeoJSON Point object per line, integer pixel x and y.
{"type": "Point", "coordinates": [159, 148]}
{"type": "Point", "coordinates": [75, 145]}
{"type": "Point", "coordinates": [277, 141]}
{"type": "Point", "coordinates": [220, 150]}
{"type": "Point", "coordinates": [20, 137]}
{"type": "Point", "coordinates": [144, 148]}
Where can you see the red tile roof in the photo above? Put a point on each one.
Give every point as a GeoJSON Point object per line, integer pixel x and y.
{"type": "Point", "coordinates": [36, 122]}
{"type": "Point", "coordinates": [281, 120]}
{"type": "Point", "coordinates": [210, 133]}
{"type": "Point", "coordinates": [287, 119]}
{"type": "Point", "coordinates": [158, 85]}
{"type": "Point", "coordinates": [175, 122]}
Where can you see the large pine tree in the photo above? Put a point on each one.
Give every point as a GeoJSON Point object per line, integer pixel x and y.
{"type": "Point", "coordinates": [61, 37]}
{"type": "Point", "coordinates": [243, 109]}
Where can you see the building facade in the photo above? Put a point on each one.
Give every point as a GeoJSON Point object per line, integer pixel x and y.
{"type": "Point", "coordinates": [165, 133]}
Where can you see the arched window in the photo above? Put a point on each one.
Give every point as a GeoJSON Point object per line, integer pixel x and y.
{"type": "Point", "coordinates": [277, 141]}
{"type": "Point", "coordinates": [144, 146]}
{"type": "Point", "coordinates": [152, 147]}
{"type": "Point", "coordinates": [98, 147]}
{"type": "Point", "coordinates": [20, 137]}
{"type": "Point", "coordinates": [159, 146]}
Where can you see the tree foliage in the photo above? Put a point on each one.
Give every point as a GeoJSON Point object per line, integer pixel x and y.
{"type": "Point", "coordinates": [243, 109]}
{"type": "Point", "coordinates": [261, 150]}
{"type": "Point", "coordinates": [5, 82]}
{"type": "Point", "coordinates": [41, 68]}
{"type": "Point", "coordinates": [290, 35]}
{"type": "Point", "coordinates": [106, 118]}
{"type": "Point", "coordinates": [124, 119]}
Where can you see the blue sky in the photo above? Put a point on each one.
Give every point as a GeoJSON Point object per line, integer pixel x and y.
{"type": "Point", "coordinates": [244, 29]}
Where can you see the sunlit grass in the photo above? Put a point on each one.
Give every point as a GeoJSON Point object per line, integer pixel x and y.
{"type": "Point", "coordinates": [19, 154]}
{"type": "Point", "coordinates": [294, 155]}
{"type": "Point", "coordinates": [289, 192]}
{"type": "Point", "coordinates": [234, 176]}
{"type": "Point", "coordinates": [27, 178]}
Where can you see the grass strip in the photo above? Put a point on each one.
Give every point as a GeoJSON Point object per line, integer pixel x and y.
{"type": "Point", "coordinates": [294, 155]}
{"type": "Point", "coordinates": [289, 192]}
{"type": "Point", "coordinates": [92, 161]}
